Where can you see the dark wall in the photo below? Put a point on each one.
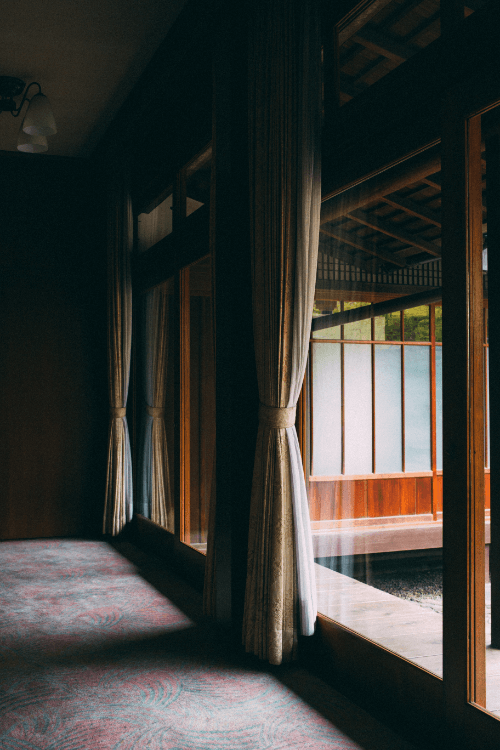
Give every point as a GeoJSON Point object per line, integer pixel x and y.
{"type": "Point", "coordinates": [53, 393]}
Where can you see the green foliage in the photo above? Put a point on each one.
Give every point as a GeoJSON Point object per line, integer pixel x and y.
{"type": "Point", "coordinates": [393, 327]}
{"type": "Point", "coordinates": [417, 324]}
{"type": "Point", "coordinates": [439, 322]}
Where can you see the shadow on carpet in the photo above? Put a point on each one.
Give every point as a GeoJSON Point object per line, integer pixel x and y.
{"type": "Point", "coordinates": [105, 650]}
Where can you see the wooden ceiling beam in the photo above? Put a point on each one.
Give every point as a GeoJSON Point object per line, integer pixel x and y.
{"type": "Point", "coordinates": [377, 187]}
{"type": "Point", "coordinates": [394, 230]}
{"type": "Point", "coordinates": [415, 209]}
{"type": "Point", "coordinates": [368, 247]}
{"type": "Point", "coordinates": [399, 15]}
{"type": "Point", "coordinates": [336, 250]}
{"type": "Point", "coordinates": [359, 18]}
{"type": "Point", "coordinates": [384, 45]}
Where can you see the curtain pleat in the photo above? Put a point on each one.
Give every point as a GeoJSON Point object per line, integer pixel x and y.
{"type": "Point", "coordinates": [157, 498]}
{"type": "Point", "coordinates": [118, 506]}
{"type": "Point", "coordinates": [285, 195]}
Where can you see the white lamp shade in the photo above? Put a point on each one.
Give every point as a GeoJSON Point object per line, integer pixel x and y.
{"type": "Point", "coordinates": [31, 144]}
{"type": "Point", "coordinates": [39, 119]}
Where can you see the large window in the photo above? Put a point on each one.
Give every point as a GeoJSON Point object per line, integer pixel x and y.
{"type": "Point", "coordinates": [372, 402]}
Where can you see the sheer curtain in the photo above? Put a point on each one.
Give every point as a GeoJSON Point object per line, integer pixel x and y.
{"type": "Point", "coordinates": [119, 500]}
{"type": "Point", "coordinates": [157, 500]}
{"type": "Point", "coordinates": [285, 194]}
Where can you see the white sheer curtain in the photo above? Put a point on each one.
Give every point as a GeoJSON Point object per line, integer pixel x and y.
{"type": "Point", "coordinates": [285, 195]}
{"type": "Point", "coordinates": [118, 506]}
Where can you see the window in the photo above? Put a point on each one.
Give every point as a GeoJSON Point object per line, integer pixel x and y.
{"type": "Point", "coordinates": [175, 365]}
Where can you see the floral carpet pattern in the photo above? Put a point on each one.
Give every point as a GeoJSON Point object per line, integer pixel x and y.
{"type": "Point", "coordinates": [92, 655]}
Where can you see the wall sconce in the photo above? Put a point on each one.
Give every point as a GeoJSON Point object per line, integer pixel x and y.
{"type": "Point", "coordinates": [38, 121]}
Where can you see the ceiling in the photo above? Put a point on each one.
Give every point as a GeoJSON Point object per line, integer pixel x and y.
{"type": "Point", "coordinates": [86, 54]}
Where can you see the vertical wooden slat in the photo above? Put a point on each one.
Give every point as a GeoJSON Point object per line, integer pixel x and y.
{"type": "Point", "coordinates": [463, 469]}
{"type": "Point", "coordinates": [493, 202]}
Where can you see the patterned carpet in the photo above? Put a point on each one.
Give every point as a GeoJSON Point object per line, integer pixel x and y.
{"type": "Point", "coordinates": [94, 656]}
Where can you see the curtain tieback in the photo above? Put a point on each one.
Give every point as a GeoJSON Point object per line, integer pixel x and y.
{"type": "Point", "coordinates": [277, 417]}
{"type": "Point", "coordinates": [155, 411]}
{"type": "Point", "coordinates": [117, 411]}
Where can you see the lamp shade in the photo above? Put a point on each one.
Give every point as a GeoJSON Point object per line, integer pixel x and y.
{"type": "Point", "coordinates": [39, 119]}
{"type": "Point", "coordinates": [31, 144]}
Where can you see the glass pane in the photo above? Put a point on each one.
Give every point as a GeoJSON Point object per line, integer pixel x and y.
{"type": "Point", "coordinates": [327, 406]}
{"type": "Point", "coordinates": [326, 307]}
{"type": "Point", "coordinates": [358, 409]}
{"type": "Point", "coordinates": [361, 330]}
{"type": "Point", "coordinates": [388, 420]}
{"type": "Point", "coordinates": [199, 401]}
{"type": "Point", "coordinates": [157, 406]}
{"type": "Point", "coordinates": [155, 225]}
{"type": "Point", "coordinates": [416, 323]}
{"type": "Point", "coordinates": [388, 327]}
{"type": "Point", "coordinates": [380, 38]}
{"type": "Point", "coordinates": [417, 408]}
{"type": "Point", "coordinates": [374, 490]}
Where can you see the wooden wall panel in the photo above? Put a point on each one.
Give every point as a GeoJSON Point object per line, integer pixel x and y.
{"type": "Point", "coordinates": [383, 497]}
{"type": "Point", "coordinates": [423, 494]}
{"type": "Point", "coordinates": [53, 369]}
{"type": "Point", "coordinates": [379, 497]}
{"type": "Point", "coordinates": [438, 498]}
{"type": "Point", "coordinates": [322, 500]}
{"type": "Point", "coordinates": [408, 505]}
{"type": "Point", "coordinates": [352, 499]}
